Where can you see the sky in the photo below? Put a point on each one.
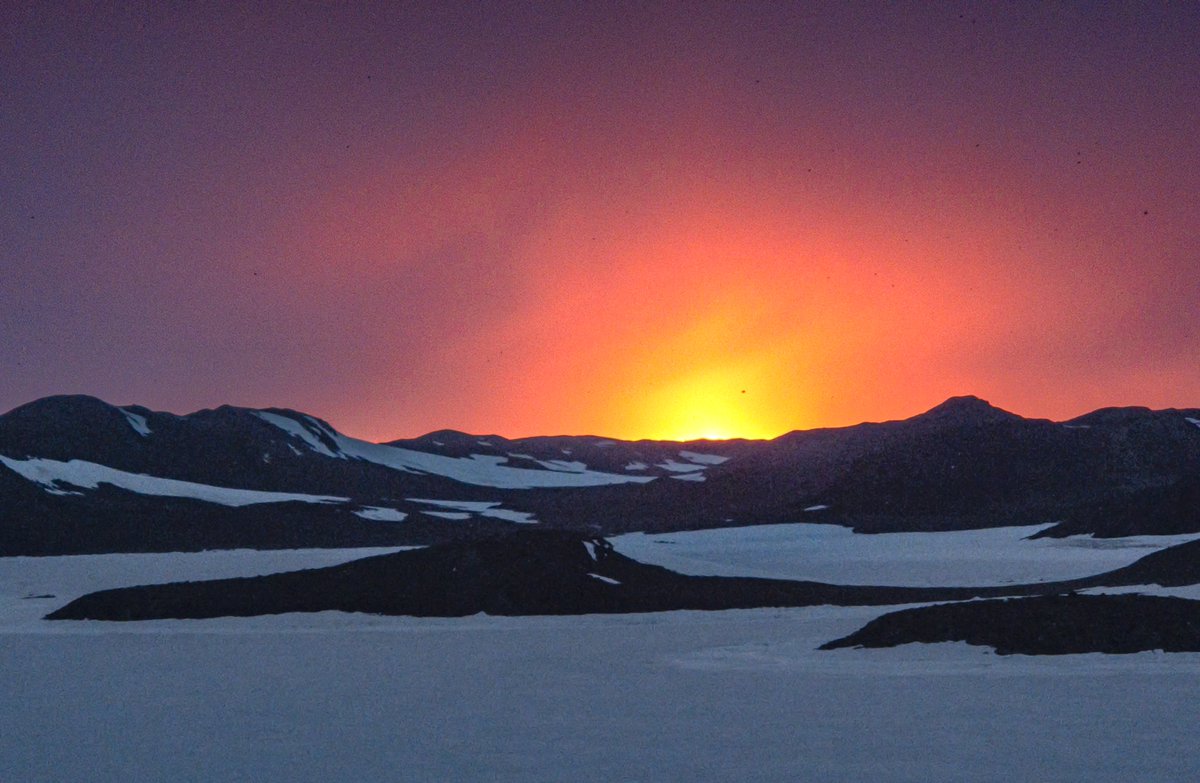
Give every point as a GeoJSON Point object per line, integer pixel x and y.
{"type": "Point", "coordinates": [665, 220]}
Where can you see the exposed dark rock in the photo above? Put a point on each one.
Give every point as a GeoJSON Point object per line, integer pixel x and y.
{"type": "Point", "coordinates": [1044, 625]}
{"type": "Point", "coordinates": [525, 573]}
{"type": "Point", "coordinates": [1175, 566]}
{"type": "Point", "coordinates": [1159, 510]}
{"type": "Point", "coordinates": [548, 572]}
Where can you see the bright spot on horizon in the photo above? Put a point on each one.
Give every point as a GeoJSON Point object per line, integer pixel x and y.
{"type": "Point", "coordinates": [709, 405]}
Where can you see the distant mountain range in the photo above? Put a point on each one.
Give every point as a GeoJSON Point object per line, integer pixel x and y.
{"type": "Point", "coordinates": [79, 475]}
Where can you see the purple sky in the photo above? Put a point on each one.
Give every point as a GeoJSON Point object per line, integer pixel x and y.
{"type": "Point", "coordinates": [533, 218]}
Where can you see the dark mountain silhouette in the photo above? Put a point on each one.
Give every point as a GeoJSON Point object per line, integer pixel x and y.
{"type": "Point", "coordinates": [963, 464]}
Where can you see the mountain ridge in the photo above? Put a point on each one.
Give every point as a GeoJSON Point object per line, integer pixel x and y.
{"type": "Point", "coordinates": [961, 407]}
{"type": "Point", "coordinates": [962, 464]}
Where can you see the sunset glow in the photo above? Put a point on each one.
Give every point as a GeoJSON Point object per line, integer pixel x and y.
{"type": "Point", "coordinates": [729, 221]}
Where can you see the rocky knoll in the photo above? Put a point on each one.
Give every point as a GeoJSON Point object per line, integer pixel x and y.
{"type": "Point", "coordinates": [1043, 625]}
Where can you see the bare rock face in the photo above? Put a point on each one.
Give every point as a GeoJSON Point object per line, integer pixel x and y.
{"type": "Point", "coordinates": [1044, 625]}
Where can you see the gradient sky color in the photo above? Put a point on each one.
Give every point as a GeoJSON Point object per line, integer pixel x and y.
{"type": "Point", "coordinates": [669, 221]}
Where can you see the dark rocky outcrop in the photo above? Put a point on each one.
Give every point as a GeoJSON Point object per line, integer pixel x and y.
{"type": "Point", "coordinates": [526, 573]}
{"type": "Point", "coordinates": [534, 572]}
{"type": "Point", "coordinates": [1163, 510]}
{"type": "Point", "coordinates": [1043, 625]}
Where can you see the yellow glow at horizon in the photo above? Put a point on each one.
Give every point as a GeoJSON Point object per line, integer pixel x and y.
{"type": "Point", "coordinates": [705, 406]}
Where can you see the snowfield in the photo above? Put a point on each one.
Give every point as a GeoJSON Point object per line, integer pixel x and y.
{"type": "Point", "coordinates": [57, 477]}
{"type": "Point", "coordinates": [485, 470]}
{"type": "Point", "coordinates": [738, 695]}
{"type": "Point", "coordinates": [831, 553]}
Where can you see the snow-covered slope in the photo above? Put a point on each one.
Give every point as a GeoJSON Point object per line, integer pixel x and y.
{"type": "Point", "coordinates": [67, 478]}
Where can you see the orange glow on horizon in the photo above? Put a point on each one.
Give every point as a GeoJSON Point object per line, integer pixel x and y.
{"type": "Point", "coordinates": [679, 298]}
{"type": "Point", "coordinates": [705, 406]}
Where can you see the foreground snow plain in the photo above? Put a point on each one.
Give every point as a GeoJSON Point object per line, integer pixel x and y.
{"type": "Point", "coordinates": [740, 695]}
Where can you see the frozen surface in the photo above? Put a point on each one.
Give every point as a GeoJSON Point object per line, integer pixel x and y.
{"type": "Point", "coordinates": [51, 474]}
{"type": "Point", "coordinates": [831, 553]}
{"type": "Point", "coordinates": [483, 508]}
{"type": "Point", "coordinates": [1187, 591]}
{"type": "Point", "coordinates": [564, 465]}
{"type": "Point", "coordinates": [703, 459]}
{"type": "Point", "coordinates": [137, 422]}
{"type": "Point", "coordinates": [680, 467]}
{"type": "Point", "coordinates": [510, 515]}
{"type": "Point", "coordinates": [480, 469]}
{"type": "Point", "coordinates": [380, 514]}
{"type": "Point", "coordinates": [740, 695]}
{"type": "Point", "coordinates": [458, 505]}
{"type": "Point", "coordinates": [1193, 421]}
{"type": "Point", "coordinates": [70, 576]}
{"type": "Point", "coordinates": [484, 470]}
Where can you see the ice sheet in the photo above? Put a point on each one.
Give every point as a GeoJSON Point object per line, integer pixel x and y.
{"type": "Point", "coordinates": [738, 695]}
{"type": "Point", "coordinates": [830, 553]}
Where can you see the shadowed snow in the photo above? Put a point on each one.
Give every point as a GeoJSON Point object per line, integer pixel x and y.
{"type": "Point", "coordinates": [297, 430]}
{"type": "Point", "coordinates": [137, 422]}
{"type": "Point", "coordinates": [484, 508]}
{"type": "Point", "coordinates": [88, 475]}
{"type": "Point", "coordinates": [698, 696]}
{"type": "Point", "coordinates": [379, 514]}
{"type": "Point", "coordinates": [483, 470]}
{"type": "Point", "coordinates": [703, 459]}
{"type": "Point", "coordinates": [831, 553]}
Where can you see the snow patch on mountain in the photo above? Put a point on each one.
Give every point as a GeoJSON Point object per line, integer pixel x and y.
{"type": "Point", "coordinates": [297, 430]}
{"type": "Point", "coordinates": [697, 476]}
{"type": "Point", "coordinates": [484, 508]}
{"type": "Point", "coordinates": [88, 475]}
{"type": "Point", "coordinates": [380, 514]}
{"type": "Point", "coordinates": [136, 421]}
{"type": "Point", "coordinates": [703, 459]}
{"type": "Point", "coordinates": [602, 578]}
{"type": "Point", "coordinates": [474, 506]}
{"type": "Point", "coordinates": [510, 515]}
{"type": "Point", "coordinates": [566, 466]}
{"type": "Point", "coordinates": [483, 470]}
{"type": "Point", "coordinates": [636, 466]}
{"type": "Point", "coordinates": [832, 553]}
{"type": "Point", "coordinates": [455, 515]}
{"type": "Point", "coordinates": [680, 467]}
{"type": "Point", "coordinates": [1193, 421]}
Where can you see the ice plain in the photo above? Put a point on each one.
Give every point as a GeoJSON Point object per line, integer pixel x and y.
{"type": "Point", "coordinates": [673, 696]}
